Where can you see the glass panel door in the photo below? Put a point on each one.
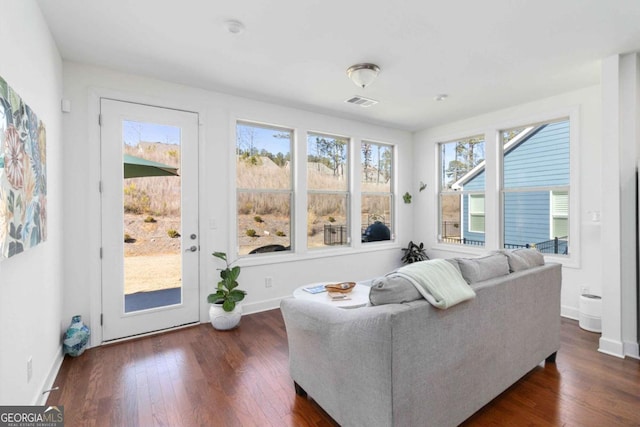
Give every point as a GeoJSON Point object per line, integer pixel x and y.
{"type": "Point", "coordinates": [149, 218]}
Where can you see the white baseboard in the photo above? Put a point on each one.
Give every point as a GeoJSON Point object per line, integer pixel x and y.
{"type": "Point", "coordinates": [631, 349]}
{"type": "Point", "coordinates": [569, 312]}
{"type": "Point", "coordinates": [265, 305]}
{"type": "Point", "coordinates": [612, 348]}
{"type": "Point", "coordinates": [41, 398]}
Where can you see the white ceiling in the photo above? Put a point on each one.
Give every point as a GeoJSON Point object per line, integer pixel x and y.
{"type": "Point", "coordinates": [486, 55]}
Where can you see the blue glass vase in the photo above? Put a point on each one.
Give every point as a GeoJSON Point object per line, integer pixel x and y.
{"type": "Point", "coordinates": [76, 338]}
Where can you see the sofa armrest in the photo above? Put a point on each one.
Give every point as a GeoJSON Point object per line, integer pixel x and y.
{"type": "Point", "coordinates": [342, 349]}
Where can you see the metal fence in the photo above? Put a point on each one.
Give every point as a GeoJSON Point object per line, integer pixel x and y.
{"type": "Point", "coordinates": [558, 245]}
{"type": "Point", "coordinates": [335, 234]}
{"type": "Point", "coordinates": [451, 234]}
{"type": "Point", "coordinates": [463, 241]}
{"type": "Point", "coordinates": [450, 229]}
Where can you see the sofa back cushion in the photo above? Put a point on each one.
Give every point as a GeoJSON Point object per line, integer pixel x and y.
{"type": "Point", "coordinates": [391, 289]}
{"type": "Point", "coordinates": [483, 268]}
{"type": "Point", "coordinates": [523, 259]}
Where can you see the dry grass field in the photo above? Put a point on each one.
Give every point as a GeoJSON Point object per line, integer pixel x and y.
{"type": "Point", "coordinates": [152, 272]}
{"type": "Point", "coordinates": [273, 209]}
{"type": "Point", "coordinates": [152, 258]}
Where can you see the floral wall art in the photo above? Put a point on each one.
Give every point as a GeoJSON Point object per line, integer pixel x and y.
{"type": "Point", "coordinates": [23, 178]}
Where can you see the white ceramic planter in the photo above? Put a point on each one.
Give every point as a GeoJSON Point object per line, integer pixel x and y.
{"type": "Point", "coordinates": [223, 320]}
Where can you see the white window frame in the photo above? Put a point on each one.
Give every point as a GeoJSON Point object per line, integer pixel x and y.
{"type": "Point", "coordinates": [571, 259]}
{"type": "Point", "coordinates": [458, 192]}
{"type": "Point", "coordinates": [494, 214]}
{"type": "Point", "coordinates": [290, 191]}
{"type": "Point", "coordinates": [391, 194]}
{"type": "Point", "coordinates": [346, 192]}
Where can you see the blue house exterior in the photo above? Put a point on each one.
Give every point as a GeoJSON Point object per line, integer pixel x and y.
{"type": "Point", "coordinates": [538, 158]}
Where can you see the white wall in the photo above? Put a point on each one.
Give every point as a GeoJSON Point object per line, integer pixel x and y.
{"type": "Point", "coordinates": [586, 269]}
{"type": "Point", "coordinates": [31, 282]}
{"type": "Point", "coordinates": [83, 85]}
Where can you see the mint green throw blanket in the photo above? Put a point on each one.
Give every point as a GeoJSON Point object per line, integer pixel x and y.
{"type": "Point", "coordinates": [438, 281]}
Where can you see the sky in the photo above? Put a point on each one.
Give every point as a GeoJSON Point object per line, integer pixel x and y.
{"type": "Point", "coordinates": [134, 132]}
{"type": "Point", "coordinates": [263, 138]}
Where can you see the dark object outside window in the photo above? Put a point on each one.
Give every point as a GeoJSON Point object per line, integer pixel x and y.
{"type": "Point", "coordinates": [376, 232]}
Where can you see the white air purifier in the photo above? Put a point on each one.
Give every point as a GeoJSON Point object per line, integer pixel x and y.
{"type": "Point", "coordinates": [590, 317]}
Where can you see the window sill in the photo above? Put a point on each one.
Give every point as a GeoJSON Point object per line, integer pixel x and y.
{"type": "Point", "coordinates": [288, 257]}
{"type": "Point", "coordinates": [459, 249]}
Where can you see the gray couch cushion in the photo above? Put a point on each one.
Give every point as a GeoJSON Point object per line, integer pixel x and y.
{"type": "Point", "coordinates": [483, 268]}
{"type": "Point", "coordinates": [391, 289]}
{"type": "Point", "coordinates": [523, 259]}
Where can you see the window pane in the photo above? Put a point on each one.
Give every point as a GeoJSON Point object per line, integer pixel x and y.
{"type": "Point", "coordinates": [461, 164]}
{"type": "Point", "coordinates": [264, 188]}
{"type": "Point", "coordinates": [527, 222]}
{"type": "Point", "coordinates": [264, 221]}
{"type": "Point", "coordinates": [462, 171]}
{"type": "Point", "coordinates": [377, 188]}
{"type": "Point", "coordinates": [450, 227]}
{"type": "Point", "coordinates": [476, 223]}
{"type": "Point", "coordinates": [327, 223]}
{"type": "Point", "coordinates": [560, 203]}
{"type": "Point", "coordinates": [560, 227]}
{"type": "Point", "coordinates": [327, 163]}
{"type": "Point", "coordinates": [377, 167]}
{"type": "Point", "coordinates": [376, 217]}
{"type": "Point", "coordinates": [263, 159]}
{"type": "Point", "coordinates": [476, 204]}
{"type": "Point", "coordinates": [328, 180]}
{"type": "Point", "coordinates": [537, 157]}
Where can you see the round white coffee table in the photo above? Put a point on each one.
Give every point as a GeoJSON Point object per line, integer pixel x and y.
{"type": "Point", "coordinates": [358, 297]}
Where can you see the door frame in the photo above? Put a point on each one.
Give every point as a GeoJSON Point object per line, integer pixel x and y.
{"type": "Point", "coordinates": [94, 211]}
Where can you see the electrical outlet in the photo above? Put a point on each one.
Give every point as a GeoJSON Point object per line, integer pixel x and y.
{"type": "Point", "coordinates": [29, 368]}
{"type": "Point", "coordinates": [584, 290]}
{"type": "Point", "coordinates": [268, 281]}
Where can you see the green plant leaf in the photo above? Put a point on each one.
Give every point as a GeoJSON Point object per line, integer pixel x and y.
{"type": "Point", "coordinates": [215, 298]}
{"type": "Point", "coordinates": [237, 295]}
{"type": "Point", "coordinates": [228, 305]}
{"type": "Point", "coordinates": [234, 273]}
{"type": "Point", "coordinates": [220, 255]}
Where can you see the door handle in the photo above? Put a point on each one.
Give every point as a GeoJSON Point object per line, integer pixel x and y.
{"type": "Point", "coordinates": [193, 248]}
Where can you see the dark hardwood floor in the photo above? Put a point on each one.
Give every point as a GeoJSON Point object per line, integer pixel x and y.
{"type": "Point", "coordinates": [202, 377]}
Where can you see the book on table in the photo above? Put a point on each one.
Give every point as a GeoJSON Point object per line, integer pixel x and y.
{"type": "Point", "coordinates": [338, 296]}
{"type": "Point", "coordinates": [316, 289]}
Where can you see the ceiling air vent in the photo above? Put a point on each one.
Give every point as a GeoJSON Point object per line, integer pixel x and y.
{"type": "Point", "coordinates": [361, 101]}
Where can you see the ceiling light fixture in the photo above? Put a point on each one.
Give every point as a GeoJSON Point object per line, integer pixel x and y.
{"type": "Point", "coordinates": [363, 74]}
{"type": "Point", "coordinates": [234, 27]}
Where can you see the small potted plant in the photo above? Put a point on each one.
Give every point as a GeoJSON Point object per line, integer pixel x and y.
{"type": "Point", "coordinates": [225, 310]}
{"type": "Point", "coordinates": [414, 253]}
